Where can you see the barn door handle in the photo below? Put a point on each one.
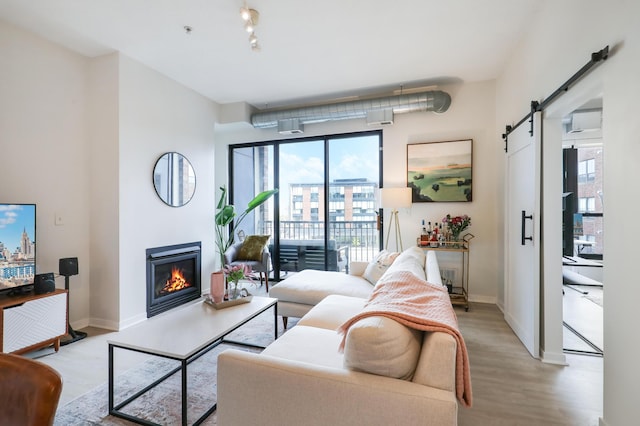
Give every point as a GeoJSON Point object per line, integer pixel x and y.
{"type": "Point", "coordinates": [525, 217]}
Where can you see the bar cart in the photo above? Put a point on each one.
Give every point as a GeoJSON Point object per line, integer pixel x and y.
{"type": "Point", "coordinates": [459, 295]}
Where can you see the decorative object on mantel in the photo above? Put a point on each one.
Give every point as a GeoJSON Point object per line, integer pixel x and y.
{"type": "Point", "coordinates": [440, 171]}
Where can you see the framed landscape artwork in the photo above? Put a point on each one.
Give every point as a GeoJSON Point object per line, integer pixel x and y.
{"type": "Point", "coordinates": [440, 171]}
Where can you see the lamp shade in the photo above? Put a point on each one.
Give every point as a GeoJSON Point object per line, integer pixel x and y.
{"type": "Point", "coordinates": [395, 198]}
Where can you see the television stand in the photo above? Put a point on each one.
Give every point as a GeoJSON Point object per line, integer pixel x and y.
{"type": "Point", "coordinates": [32, 321]}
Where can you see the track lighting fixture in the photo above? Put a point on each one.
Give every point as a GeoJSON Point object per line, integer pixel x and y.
{"type": "Point", "coordinates": [250, 18]}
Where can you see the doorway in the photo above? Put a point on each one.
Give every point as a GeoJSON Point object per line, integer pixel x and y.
{"type": "Point", "coordinates": [583, 230]}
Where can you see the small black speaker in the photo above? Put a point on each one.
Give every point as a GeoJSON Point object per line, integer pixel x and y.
{"type": "Point", "coordinates": [44, 283]}
{"type": "Point", "coordinates": [68, 266]}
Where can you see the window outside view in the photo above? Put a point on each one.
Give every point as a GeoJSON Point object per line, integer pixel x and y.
{"type": "Point", "coordinates": [352, 166]}
{"type": "Point", "coordinates": [590, 200]}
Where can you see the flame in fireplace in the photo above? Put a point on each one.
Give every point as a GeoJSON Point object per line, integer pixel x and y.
{"type": "Point", "coordinates": [176, 282]}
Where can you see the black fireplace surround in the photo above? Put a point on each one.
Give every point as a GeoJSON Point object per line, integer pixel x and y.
{"type": "Point", "coordinates": [173, 276]}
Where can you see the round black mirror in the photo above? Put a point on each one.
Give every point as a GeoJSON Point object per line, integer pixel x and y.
{"type": "Point", "coordinates": [174, 179]}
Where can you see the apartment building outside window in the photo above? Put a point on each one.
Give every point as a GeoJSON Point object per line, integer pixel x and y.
{"type": "Point", "coordinates": [587, 170]}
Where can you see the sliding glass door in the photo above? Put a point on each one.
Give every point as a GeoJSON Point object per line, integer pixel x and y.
{"type": "Point", "coordinates": [252, 173]}
{"type": "Point", "coordinates": [354, 178]}
{"type": "Point", "coordinates": [302, 222]}
{"type": "Point", "coordinates": [325, 213]}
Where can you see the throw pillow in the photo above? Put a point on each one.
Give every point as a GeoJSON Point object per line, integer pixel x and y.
{"type": "Point", "coordinates": [379, 265]}
{"type": "Point", "coordinates": [252, 247]}
{"type": "Point", "coordinates": [382, 346]}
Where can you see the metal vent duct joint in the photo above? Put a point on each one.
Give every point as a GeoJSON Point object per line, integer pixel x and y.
{"type": "Point", "coordinates": [436, 101]}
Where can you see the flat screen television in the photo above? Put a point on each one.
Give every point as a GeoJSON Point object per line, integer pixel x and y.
{"type": "Point", "coordinates": [17, 247]}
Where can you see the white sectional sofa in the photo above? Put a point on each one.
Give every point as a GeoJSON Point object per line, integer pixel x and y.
{"type": "Point", "coordinates": [388, 373]}
{"type": "Point", "coordinates": [299, 293]}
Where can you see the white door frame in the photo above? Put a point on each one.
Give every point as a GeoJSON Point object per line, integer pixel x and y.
{"type": "Point", "coordinates": [552, 312]}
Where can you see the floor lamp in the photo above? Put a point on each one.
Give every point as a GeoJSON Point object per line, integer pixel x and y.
{"type": "Point", "coordinates": [395, 198]}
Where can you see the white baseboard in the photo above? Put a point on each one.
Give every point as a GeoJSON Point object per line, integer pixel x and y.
{"type": "Point", "coordinates": [80, 324]}
{"type": "Point", "coordinates": [483, 299]}
{"type": "Point", "coordinates": [553, 358]}
{"type": "Point", "coordinates": [104, 324]}
{"type": "Point", "coordinates": [117, 326]}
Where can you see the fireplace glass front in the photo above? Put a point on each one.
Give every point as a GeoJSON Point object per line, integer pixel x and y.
{"type": "Point", "coordinates": [173, 276]}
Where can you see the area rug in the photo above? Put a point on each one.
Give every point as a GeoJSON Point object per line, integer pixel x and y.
{"type": "Point", "coordinates": [162, 404]}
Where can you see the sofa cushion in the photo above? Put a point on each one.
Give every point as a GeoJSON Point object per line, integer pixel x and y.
{"type": "Point", "coordinates": [332, 311]}
{"type": "Point", "coordinates": [252, 247]}
{"type": "Point", "coordinates": [412, 259]}
{"type": "Point", "coordinates": [379, 265]}
{"type": "Point", "coordinates": [309, 286]}
{"type": "Point", "coordinates": [432, 269]}
{"type": "Point", "coordinates": [308, 344]}
{"type": "Point", "coordinates": [380, 345]}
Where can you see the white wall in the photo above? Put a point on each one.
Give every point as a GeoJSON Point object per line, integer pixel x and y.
{"type": "Point", "coordinates": [80, 138]}
{"type": "Point", "coordinates": [560, 41]}
{"type": "Point", "coordinates": [105, 201]}
{"type": "Point", "coordinates": [471, 116]}
{"type": "Point", "coordinates": [158, 115]}
{"type": "Point", "coordinates": [43, 151]}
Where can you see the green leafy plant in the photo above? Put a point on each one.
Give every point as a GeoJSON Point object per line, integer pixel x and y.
{"type": "Point", "coordinates": [225, 215]}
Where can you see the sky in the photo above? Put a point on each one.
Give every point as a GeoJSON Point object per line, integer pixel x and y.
{"type": "Point", "coordinates": [14, 218]}
{"type": "Point", "coordinates": [303, 162]}
{"type": "Point", "coordinates": [349, 158]}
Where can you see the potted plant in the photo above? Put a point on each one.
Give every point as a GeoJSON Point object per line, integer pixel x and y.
{"type": "Point", "coordinates": [227, 212]}
{"type": "Point", "coordinates": [225, 215]}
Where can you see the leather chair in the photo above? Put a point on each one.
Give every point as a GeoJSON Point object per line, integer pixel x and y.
{"type": "Point", "coordinates": [262, 266]}
{"type": "Point", "coordinates": [29, 391]}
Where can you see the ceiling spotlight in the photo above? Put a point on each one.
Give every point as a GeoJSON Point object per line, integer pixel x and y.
{"type": "Point", "coordinates": [245, 14]}
{"type": "Point", "coordinates": [250, 17]}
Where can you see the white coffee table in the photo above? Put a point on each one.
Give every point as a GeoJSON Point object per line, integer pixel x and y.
{"type": "Point", "coordinates": [183, 334]}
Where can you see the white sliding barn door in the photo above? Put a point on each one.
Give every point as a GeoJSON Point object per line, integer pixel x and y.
{"type": "Point", "coordinates": [522, 261]}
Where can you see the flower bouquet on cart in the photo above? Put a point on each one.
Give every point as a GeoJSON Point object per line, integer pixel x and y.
{"type": "Point", "coordinates": [456, 224]}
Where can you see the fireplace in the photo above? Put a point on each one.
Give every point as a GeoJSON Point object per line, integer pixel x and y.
{"type": "Point", "coordinates": [173, 276]}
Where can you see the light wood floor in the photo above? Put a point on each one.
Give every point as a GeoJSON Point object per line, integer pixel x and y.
{"type": "Point", "coordinates": [512, 388]}
{"type": "Point", "coordinates": [509, 387]}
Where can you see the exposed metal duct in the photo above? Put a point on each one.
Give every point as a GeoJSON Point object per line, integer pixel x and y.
{"type": "Point", "coordinates": [435, 100]}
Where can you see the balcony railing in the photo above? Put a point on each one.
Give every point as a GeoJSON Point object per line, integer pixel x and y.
{"type": "Point", "coordinates": [361, 237]}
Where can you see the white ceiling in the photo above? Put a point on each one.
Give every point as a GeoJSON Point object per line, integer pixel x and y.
{"type": "Point", "coordinates": [310, 49]}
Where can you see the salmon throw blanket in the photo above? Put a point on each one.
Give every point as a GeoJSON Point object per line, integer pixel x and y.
{"type": "Point", "coordinates": [420, 305]}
